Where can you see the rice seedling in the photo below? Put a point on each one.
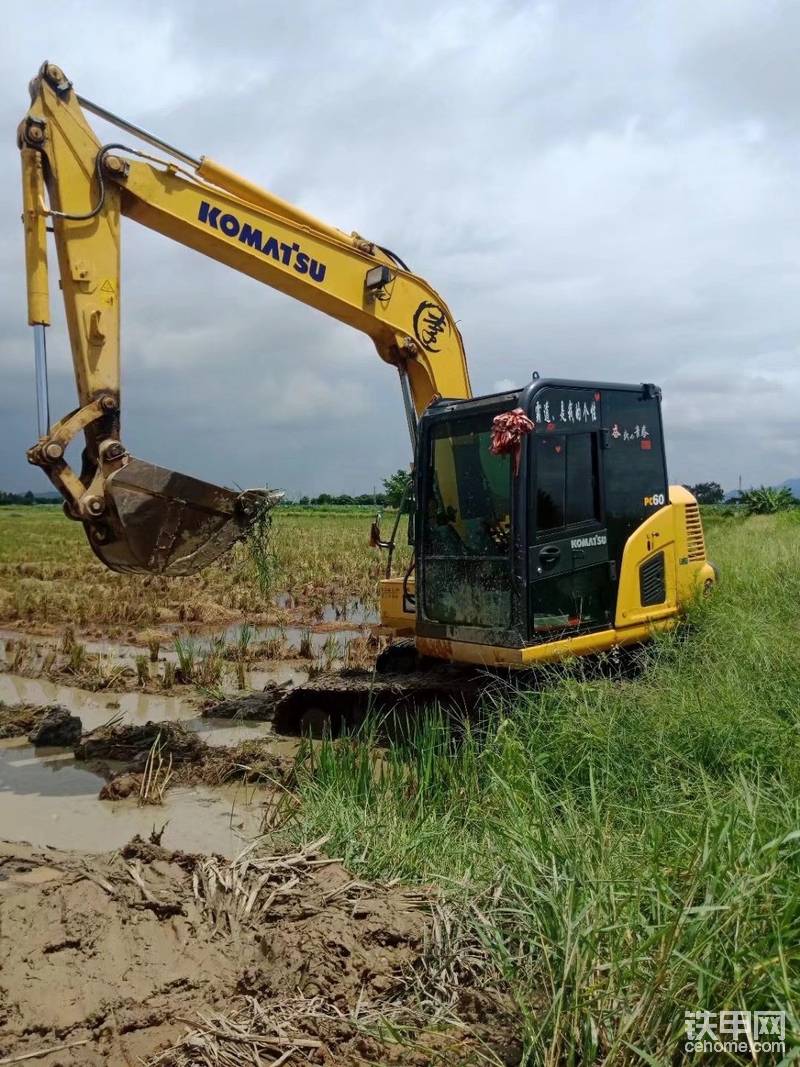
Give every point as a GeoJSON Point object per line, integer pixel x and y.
{"type": "Point", "coordinates": [241, 674]}
{"type": "Point", "coordinates": [273, 647]}
{"type": "Point", "coordinates": [244, 640]}
{"type": "Point", "coordinates": [209, 668]}
{"type": "Point", "coordinates": [68, 640]}
{"type": "Point", "coordinates": [76, 657]}
{"type": "Point", "coordinates": [186, 651]}
{"type": "Point", "coordinates": [23, 654]}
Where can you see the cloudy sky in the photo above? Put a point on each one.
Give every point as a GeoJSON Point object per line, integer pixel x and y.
{"type": "Point", "coordinates": [600, 190]}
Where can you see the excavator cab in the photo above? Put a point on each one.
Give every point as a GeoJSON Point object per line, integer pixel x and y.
{"type": "Point", "coordinates": [560, 546]}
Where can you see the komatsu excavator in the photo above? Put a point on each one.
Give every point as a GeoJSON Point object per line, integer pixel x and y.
{"type": "Point", "coordinates": [542, 521]}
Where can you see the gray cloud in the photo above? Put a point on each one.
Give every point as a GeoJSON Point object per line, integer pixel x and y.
{"type": "Point", "coordinates": [601, 191]}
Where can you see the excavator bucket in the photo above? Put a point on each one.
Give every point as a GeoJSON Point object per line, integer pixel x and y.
{"type": "Point", "coordinates": [160, 522]}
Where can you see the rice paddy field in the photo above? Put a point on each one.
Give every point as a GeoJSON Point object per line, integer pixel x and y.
{"type": "Point", "coordinates": [317, 557]}
{"type": "Point", "coordinates": [609, 850]}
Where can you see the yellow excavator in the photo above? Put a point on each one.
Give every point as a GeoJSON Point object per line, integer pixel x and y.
{"type": "Point", "coordinates": [542, 520]}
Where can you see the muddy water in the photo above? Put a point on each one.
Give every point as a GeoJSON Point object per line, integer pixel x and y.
{"type": "Point", "coordinates": [330, 643]}
{"type": "Point", "coordinates": [48, 799]}
{"type": "Point", "coordinates": [95, 708]}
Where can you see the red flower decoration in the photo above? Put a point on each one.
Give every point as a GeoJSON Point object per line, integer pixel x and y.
{"type": "Point", "coordinates": [508, 429]}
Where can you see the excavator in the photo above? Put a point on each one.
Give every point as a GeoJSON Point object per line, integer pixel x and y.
{"type": "Point", "coordinates": [542, 521]}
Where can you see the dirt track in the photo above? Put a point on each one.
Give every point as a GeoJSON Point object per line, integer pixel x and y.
{"type": "Point", "coordinates": [121, 956]}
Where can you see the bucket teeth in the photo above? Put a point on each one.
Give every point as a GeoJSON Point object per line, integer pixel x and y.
{"type": "Point", "coordinates": [160, 522]}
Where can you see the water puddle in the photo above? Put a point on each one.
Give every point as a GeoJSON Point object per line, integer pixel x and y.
{"type": "Point", "coordinates": [96, 708]}
{"type": "Point", "coordinates": [50, 800]}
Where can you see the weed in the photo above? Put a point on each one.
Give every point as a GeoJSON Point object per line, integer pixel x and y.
{"type": "Point", "coordinates": [157, 774]}
{"type": "Point", "coordinates": [262, 554]}
{"type": "Point", "coordinates": [306, 649]}
{"type": "Point", "coordinates": [331, 651]}
{"type": "Point", "coordinates": [186, 651]}
{"type": "Point", "coordinates": [142, 671]}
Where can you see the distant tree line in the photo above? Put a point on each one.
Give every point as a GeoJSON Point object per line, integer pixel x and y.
{"type": "Point", "coordinates": [394, 490]}
{"type": "Point", "coordinates": [707, 492]}
{"type": "Point", "coordinates": [763, 500]}
{"type": "Point", "coordinates": [26, 498]}
{"type": "Point", "coordinates": [327, 499]}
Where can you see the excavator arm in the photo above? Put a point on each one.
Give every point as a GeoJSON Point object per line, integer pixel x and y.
{"type": "Point", "coordinates": [140, 517]}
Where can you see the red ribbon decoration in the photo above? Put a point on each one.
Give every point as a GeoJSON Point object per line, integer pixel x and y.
{"type": "Point", "coordinates": [508, 429]}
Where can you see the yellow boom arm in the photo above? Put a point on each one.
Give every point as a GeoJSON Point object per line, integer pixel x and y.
{"type": "Point", "coordinates": [140, 517]}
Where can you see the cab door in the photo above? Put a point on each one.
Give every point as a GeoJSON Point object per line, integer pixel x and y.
{"type": "Point", "coordinates": [569, 572]}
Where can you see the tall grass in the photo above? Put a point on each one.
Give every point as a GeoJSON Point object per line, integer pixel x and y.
{"type": "Point", "coordinates": [641, 835]}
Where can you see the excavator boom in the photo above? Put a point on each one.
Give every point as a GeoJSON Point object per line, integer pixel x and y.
{"type": "Point", "coordinates": [140, 517]}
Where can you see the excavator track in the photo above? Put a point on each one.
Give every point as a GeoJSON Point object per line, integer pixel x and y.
{"type": "Point", "coordinates": [338, 702]}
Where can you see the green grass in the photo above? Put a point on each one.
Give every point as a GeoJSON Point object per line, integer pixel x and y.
{"type": "Point", "coordinates": [634, 844]}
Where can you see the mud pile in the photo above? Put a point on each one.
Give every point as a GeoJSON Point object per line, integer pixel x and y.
{"type": "Point", "coordinates": [131, 743]}
{"type": "Point", "coordinates": [18, 720]}
{"type": "Point", "coordinates": [163, 957]}
{"type": "Point", "coordinates": [121, 751]}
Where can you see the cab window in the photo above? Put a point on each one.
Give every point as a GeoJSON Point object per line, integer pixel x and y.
{"type": "Point", "coordinates": [467, 527]}
{"type": "Point", "coordinates": [565, 480]}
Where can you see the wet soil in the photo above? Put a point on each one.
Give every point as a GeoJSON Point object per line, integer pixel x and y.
{"type": "Point", "coordinates": [154, 956]}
